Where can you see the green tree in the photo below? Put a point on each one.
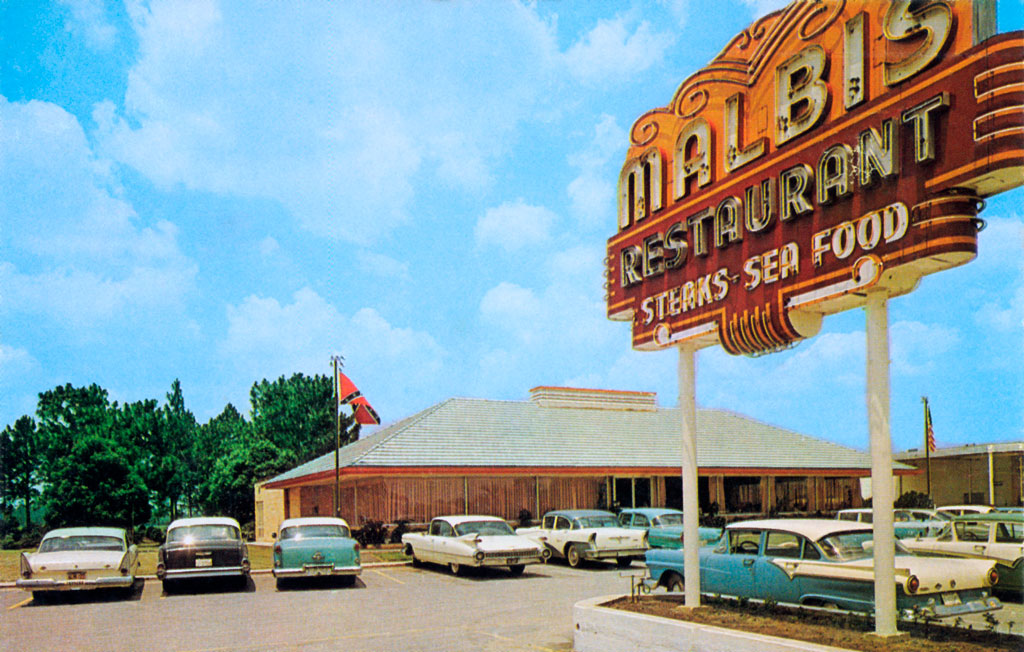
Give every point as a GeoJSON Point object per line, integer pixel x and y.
{"type": "Point", "coordinates": [181, 472]}
{"type": "Point", "coordinates": [297, 414]}
{"type": "Point", "coordinates": [19, 464]}
{"type": "Point", "coordinates": [96, 485]}
{"type": "Point", "coordinates": [231, 481]}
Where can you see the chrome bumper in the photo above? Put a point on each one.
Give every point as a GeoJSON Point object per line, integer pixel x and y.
{"type": "Point", "coordinates": [123, 581]}
{"type": "Point", "coordinates": [595, 553]}
{"type": "Point", "coordinates": [209, 571]}
{"type": "Point", "coordinates": [317, 571]}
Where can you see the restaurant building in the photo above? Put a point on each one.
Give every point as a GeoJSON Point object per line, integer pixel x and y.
{"type": "Point", "coordinates": [975, 474]}
{"type": "Point", "coordinates": [564, 448]}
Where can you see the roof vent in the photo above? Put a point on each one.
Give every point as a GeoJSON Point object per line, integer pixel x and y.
{"type": "Point", "coordinates": [593, 399]}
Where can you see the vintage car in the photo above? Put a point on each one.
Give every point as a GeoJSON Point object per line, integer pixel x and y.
{"type": "Point", "coordinates": [826, 563]}
{"type": "Point", "coordinates": [958, 510]}
{"type": "Point", "coordinates": [77, 558]}
{"type": "Point", "coordinates": [907, 522]}
{"type": "Point", "coordinates": [202, 547]}
{"type": "Point", "coordinates": [664, 526]}
{"type": "Point", "coordinates": [472, 541]}
{"type": "Point", "coordinates": [315, 546]}
{"type": "Point", "coordinates": [997, 536]}
{"type": "Point", "coordinates": [579, 534]}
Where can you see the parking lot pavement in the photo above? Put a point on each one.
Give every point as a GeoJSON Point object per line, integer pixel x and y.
{"type": "Point", "coordinates": [387, 608]}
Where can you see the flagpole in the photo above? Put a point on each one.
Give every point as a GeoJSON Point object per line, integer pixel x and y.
{"type": "Point", "coordinates": [337, 439]}
{"type": "Point", "coordinates": [927, 449]}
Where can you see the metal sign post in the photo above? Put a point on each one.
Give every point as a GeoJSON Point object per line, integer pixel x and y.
{"type": "Point", "coordinates": [691, 504]}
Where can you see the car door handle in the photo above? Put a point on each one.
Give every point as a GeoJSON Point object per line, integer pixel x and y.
{"type": "Point", "coordinates": [979, 548]}
{"type": "Point", "coordinates": [748, 562]}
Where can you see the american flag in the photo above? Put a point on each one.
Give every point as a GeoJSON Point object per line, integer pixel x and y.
{"type": "Point", "coordinates": [929, 434]}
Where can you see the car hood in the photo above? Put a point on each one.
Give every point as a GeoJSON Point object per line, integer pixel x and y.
{"type": "Point", "coordinates": [75, 560]}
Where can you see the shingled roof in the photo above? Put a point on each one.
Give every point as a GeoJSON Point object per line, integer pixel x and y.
{"type": "Point", "coordinates": [565, 427]}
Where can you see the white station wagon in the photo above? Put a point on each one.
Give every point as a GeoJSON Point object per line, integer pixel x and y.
{"type": "Point", "coordinates": [472, 541]}
{"type": "Point", "coordinates": [579, 534]}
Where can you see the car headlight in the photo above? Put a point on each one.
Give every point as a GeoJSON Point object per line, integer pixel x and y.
{"type": "Point", "coordinates": [479, 555]}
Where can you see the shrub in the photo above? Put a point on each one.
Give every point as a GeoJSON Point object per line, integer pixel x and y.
{"type": "Point", "coordinates": [400, 528]}
{"type": "Point", "coordinates": [249, 531]}
{"type": "Point", "coordinates": [525, 518]}
{"type": "Point", "coordinates": [373, 533]}
{"type": "Point", "coordinates": [156, 534]}
{"type": "Point", "coordinates": [913, 499]}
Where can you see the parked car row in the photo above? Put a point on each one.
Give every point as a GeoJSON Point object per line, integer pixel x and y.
{"type": "Point", "coordinates": [74, 559]}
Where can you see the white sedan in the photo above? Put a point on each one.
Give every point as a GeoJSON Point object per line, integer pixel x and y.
{"type": "Point", "coordinates": [79, 558]}
{"type": "Point", "coordinates": [472, 541]}
{"type": "Point", "coordinates": [579, 534]}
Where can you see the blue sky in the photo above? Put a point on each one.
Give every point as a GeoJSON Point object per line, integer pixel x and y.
{"type": "Point", "coordinates": [204, 191]}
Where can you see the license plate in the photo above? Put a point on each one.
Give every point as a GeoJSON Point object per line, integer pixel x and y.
{"type": "Point", "coordinates": [951, 599]}
{"type": "Point", "coordinates": [76, 575]}
{"type": "Point", "coordinates": [204, 562]}
{"type": "Point", "coordinates": [319, 569]}
{"type": "Point", "coordinates": [511, 560]}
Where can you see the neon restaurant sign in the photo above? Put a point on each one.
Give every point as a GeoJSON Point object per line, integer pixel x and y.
{"type": "Point", "coordinates": [832, 148]}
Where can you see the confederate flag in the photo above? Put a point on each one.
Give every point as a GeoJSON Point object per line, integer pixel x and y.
{"type": "Point", "coordinates": [348, 394]}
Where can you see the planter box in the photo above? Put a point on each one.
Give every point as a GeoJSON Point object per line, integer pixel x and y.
{"type": "Point", "coordinates": [600, 629]}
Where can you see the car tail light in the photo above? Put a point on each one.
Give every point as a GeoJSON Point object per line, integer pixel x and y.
{"type": "Point", "coordinates": [993, 576]}
{"type": "Point", "coordinates": [913, 584]}
{"type": "Point", "coordinates": [357, 546]}
{"type": "Point", "coordinates": [479, 555]}
{"type": "Point", "coordinates": [245, 565]}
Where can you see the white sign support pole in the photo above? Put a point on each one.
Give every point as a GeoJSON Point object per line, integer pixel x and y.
{"type": "Point", "coordinates": [881, 462]}
{"type": "Point", "coordinates": [691, 504]}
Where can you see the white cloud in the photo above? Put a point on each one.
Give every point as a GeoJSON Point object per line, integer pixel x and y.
{"type": "Point", "coordinates": [15, 362]}
{"type": "Point", "coordinates": [269, 246]}
{"type": "Point", "coordinates": [88, 18]}
{"type": "Point", "coordinates": [592, 192]}
{"type": "Point", "coordinates": [383, 266]}
{"type": "Point", "coordinates": [764, 7]}
{"type": "Point", "coordinates": [267, 339]}
{"type": "Point", "coordinates": [302, 120]}
{"type": "Point", "coordinates": [613, 49]}
{"type": "Point", "coordinates": [83, 256]}
{"type": "Point", "coordinates": [915, 346]}
{"type": "Point", "coordinates": [513, 226]}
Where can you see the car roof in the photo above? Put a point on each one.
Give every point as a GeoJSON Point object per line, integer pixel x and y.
{"type": "Point", "coordinates": [812, 528]}
{"type": "Point", "coordinates": [1013, 517]}
{"type": "Point", "coordinates": [203, 520]}
{"type": "Point", "coordinates": [458, 519]}
{"type": "Point", "coordinates": [86, 531]}
{"type": "Point", "coordinates": [977, 508]}
{"type": "Point", "coordinates": [855, 510]}
{"type": "Point", "coordinates": [650, 511]}
{"type": "Point", "coordinates": [576, 513]}
{"type": "Point", "coordinates": [312, 520]}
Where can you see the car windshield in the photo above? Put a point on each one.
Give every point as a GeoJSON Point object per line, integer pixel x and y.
{"type": "Point", "coordinates": [84, 542]}
{"type": "Point", "coordinates": [596, 521]}
{"type": "Point", "coordinates": [667, 520]}
{"type": "Point", "coordinates": [313, 531]}
{"type": "Point", "coordinates": [483, 527]}
{"type": "Point", "coordinates": [850, 546]}
{"type": "Point", "coordinates": [190, 533]}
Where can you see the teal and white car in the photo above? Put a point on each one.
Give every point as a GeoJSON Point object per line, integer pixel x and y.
{"type": "Point", "coordinates": [315, 546]}
{"type": "Point", "coordinates": [664, 526]}
{"type": "Point", "coordinates": [80, 558]}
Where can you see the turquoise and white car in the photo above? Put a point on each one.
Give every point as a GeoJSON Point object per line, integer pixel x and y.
{"type": "Point", "coordinates": [664, 526]}
{"type": "Point", "coordinates": [315, 546]}
{"type": "Point", "coordinates": [80, 558]}
{"type": "Point", "coordinates": [827, 563]}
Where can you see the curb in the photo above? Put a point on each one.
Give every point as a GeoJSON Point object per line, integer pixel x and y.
{"type": "Point", "coordinates": [598, 629]}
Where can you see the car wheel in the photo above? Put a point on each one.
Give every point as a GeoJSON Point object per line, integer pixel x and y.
{"type": "Point", "coordinates": [455, 568]}
{"type": "Point", "coordinates": [517, 569]}
{"type": "Point", "coordinates": [573, 555]}
{"type": "Point", "coordinates": [168, 586]}
{"type": "Point", "coordinates": [674, 584]}
{"type": "Point", "coordinates": [624, 562]}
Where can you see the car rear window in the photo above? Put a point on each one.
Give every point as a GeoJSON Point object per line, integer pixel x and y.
{"type": "Point", "coordinates": [89, 542]}
{"type": "Point", "coordinates": [313, 532]}
{"type": "Point", "coordinates": [188, 533]}
{"type": "Point", "coordinates": [483, 528]}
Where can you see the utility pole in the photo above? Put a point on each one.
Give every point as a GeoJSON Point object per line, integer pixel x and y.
{"type": "Point", "coordinates": [338, 361]}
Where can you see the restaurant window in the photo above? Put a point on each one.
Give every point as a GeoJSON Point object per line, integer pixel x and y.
{"type": "Point", "coordinates": [632, 492]}
{"type": "Point", "coordinates": [791, 494]}
{"type": "Point", "coordinates": [838, 493]}
{"type": "Point", "coordinates": [742, 494]}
